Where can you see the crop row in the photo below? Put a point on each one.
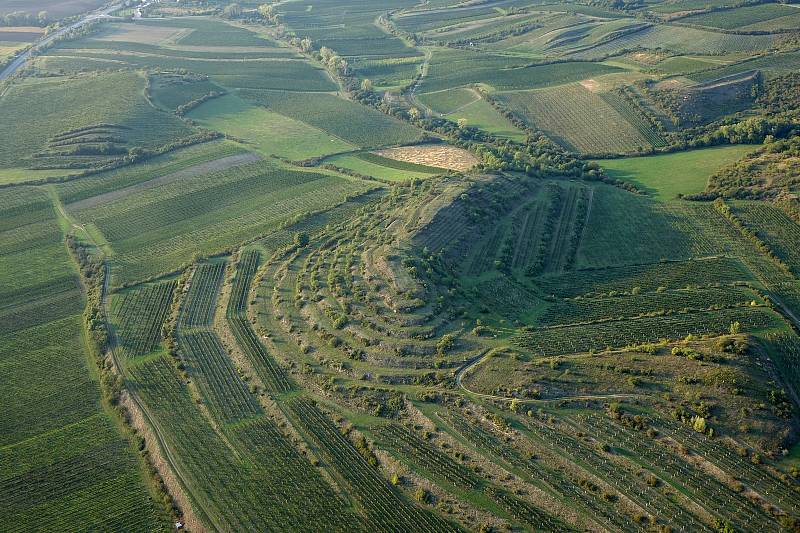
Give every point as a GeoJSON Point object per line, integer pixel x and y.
{"type": "Point", "coordinates": [424, 453]}
{"type": "Point", "coordinates": [272, 375]}
{"type": "Point", "coordinates": [223, 389]}
{"type": "Point", "coordinates": [165, 248]}
{"type": "Point", "coordinates": [349, 121]}
{"type": "Point", "coordinates": [682, 475]}
{"type": "Point", "coordinates": [647, 497]}
{"type": "Point", "coordinates": [199, 304]}
{"type": "Point", "coordinates": [141, 313]}
{"type": "Point", "coordinates": [578, 119]}
{"type": "Point", "coordinates": [775, 228]}
{"type": "Point", "coordinates": [784, 494]}
{"type": "Point", "coordinates": [633, 117]}
{"type": "Point", "coordinates": [646, 277]}
{"type": "Point", "coordinates": [548, 477]}
{"type": "Point", "coordinates": [584, 310]}
{"type": "Point", "coordinates": [265, 485]}
{"type": "Point", "coordinates": [434, 461]}
{"type": "Point", "coordinates": [386, 509]}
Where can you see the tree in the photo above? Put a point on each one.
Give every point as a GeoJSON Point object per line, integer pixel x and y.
{"type": "Point", "coordinates": [306, 45]}
{"type": "Point", "coordinates": [413, 113]}
{"type": "Point", "coordinates": [326, 54]}
{"type": "Point", "coordinates": [366, 85]}
{"type": "Point", "coordinates": [462, 123]}
{"type": "Point", "coordinates": [699, 424]}
{"type": "Point", "coordinates": [232, 11]}
{"type": "Point", "coordinates": [43, 17]}
{"type": "Point", "coordinates": [301, 239]}
{"type": "Point", "coordinates": [735, 328]}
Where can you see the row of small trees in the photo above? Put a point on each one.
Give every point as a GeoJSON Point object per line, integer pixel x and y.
{"type": "Point", "coordinates": [23, 18]}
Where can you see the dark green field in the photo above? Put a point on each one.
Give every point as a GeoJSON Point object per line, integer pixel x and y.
{"type": "Point", "coordinates": [359, 265]}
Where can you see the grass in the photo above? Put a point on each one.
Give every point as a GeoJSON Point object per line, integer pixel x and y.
{"type": "Point", "coordinates": [667, 176]}
{"type": "Point", "coordinates": [465, 104]}
{"type": "Point", "coordinates": [267, 132]}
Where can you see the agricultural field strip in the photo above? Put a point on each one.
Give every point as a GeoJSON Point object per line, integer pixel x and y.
{"type": "Point", "coordinates": [681, 474]}
{"type": "Point", "coordinates": [385, 508]}
{"type": "Point", "coordinates": [223, 163]}
{"type": "Point", "coordinates": [156, 252]}
{"type": "Point", "coordinates": [54, 477]}
{"type": "Point", "coordinates": [141, 314]}
{"type": "Point", "coordinates": [272, 375]}
{"type": "Point", "coordinates": [555, 481]}
{"type": "Point", "coordinates": [237, 477]}
{"type": "Point", "coordinates": [419, 452]}
{"type": "Point", "coordinates": [76, 190]}
{"type": "Point", "coordinates": [665, 507]}
{"type": "Point", "coordinates": [600, 309]}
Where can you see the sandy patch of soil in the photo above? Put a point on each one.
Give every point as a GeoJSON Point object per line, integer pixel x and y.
{"type": "Point", "coordinates": [439, 155]}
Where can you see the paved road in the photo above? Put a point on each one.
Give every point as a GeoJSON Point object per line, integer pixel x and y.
{"type": "Point", "coordinates": [20, 61]}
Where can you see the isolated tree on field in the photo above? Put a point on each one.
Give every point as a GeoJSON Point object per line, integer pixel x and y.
{"type": "Point", "coordinates": [265, 10]}
{"type": "Point", "coordinates": [735, 328]}
{"type": "Point", "coordinates": [413, 113]}
{"type": "Point", "coordinates": [366, 85]}
{"type": "Point", "coordinates": [326, 54]}
{"type": "Point", "coordinates": [232, 11]}
{"type": "Point", "coordinates": [301, 239]}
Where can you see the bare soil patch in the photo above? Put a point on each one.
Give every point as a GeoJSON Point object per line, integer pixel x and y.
{"type": "Point", "coordinates": [142, 34]}
{"type": "Point", "coordinates": [441, 156]}
{"type": "Point", "coordinates": [589, 84]}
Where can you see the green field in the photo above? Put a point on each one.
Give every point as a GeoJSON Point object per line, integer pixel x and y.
{"type": "Point", "coordinates": [267, 132]}
{"type": "Point", "coordinates": [159, 229]}
{"type": "Point", "coordinates": [581, 120]}
{"type": "Point", "coordinates": [669, 175]}
{"type": "Point", "coordinates": [104, 106]}
{"type": "Point", "coordinates": [350, 122]}
{"type": "Point", "coordinates": [456, 68]}
{"type": "Point", "coordinates": [767, 16]}
{"type": "Point", "coordinates": [58, 438]}
{"type": "Point", "coordinates": [464, 104]}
